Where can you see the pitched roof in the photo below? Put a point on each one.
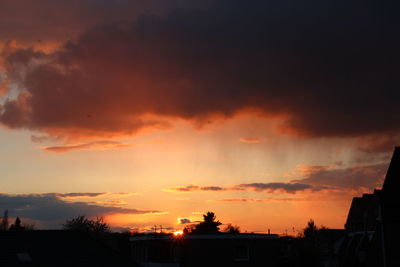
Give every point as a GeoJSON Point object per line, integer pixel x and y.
{"type": "Point", "coordinates": [363, 213]}
{"type": "Point", "coordinates": [391, 185]}
{"type": "Point", "coordinates": [390, 210]}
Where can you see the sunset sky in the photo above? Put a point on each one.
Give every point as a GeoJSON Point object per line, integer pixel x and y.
{"type": "Point", "coordinates": [154, 112]}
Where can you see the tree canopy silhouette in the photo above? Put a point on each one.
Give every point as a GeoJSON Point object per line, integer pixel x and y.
{"type": "Point", "coordinates": [83, 224]}
{"type": "Point", "coordinates": [232, 229]}
{"type": "Point", "coordinates": [311, 230]}
{"type": "Point", "coordinates": [209, 225]}
{"type": "Point", "coordinates": [17, 225]}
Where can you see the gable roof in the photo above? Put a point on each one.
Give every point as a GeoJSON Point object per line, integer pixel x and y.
{"type": "Point", "coordinates": [392, 181]}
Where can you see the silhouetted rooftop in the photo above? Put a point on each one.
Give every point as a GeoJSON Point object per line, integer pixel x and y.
{"type": "Point", "coordinates": [363, 213]}
{"type": "Point", "coordinates": [377, 217]}
{"type": "Point", "coordinates": [392, 180]}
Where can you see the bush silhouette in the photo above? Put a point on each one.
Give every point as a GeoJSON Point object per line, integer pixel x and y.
{"type": "Point", "coordinates": [83, 224]}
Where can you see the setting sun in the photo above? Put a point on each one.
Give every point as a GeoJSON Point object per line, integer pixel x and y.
{"type": "Point", "coordinates": [178, 233]}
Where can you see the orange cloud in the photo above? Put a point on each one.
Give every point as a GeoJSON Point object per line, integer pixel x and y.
{"type": "Point", "coordinates": [191, 188]}
{"type": "Point", "coordinates": [378, 143]}
{"type": "Point", "coordinates": [250, 140]}
{"type": "Point", "coordinates": [100, 145]}
{"type": "Point", "coordinates": [3, 87]}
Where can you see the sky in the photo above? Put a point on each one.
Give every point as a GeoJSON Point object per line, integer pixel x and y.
{"type": "Point", "coordinates": [267, 113]}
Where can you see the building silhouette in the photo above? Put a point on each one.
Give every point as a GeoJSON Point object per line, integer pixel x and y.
{"type": "Point", "coordinates": [219, 249]}
{"type": "Point", "coordinates": [373, 224]}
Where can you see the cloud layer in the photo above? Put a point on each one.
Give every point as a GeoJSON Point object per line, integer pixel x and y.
{"type": "Point", "coordinates": [45, 21]}
{"type": "Point", "coordinates": [191, 188]}
{"type": "Point", "coordinates": [52, 209]}
{"type": "Point", "coordinates": [271, 187]}
{"type": "Point", "coordinates": [314, 178]}
{"type": "Point", "coordinates": [328, 68]}
{"type": "Point", "coordinates": [258, 187]}
{"type": "Point", "coordinates": [78, 195]}
{"type": "Point", "coordinates": [90, 145]}
{"type": "Point", "coordinates": [363, 176]}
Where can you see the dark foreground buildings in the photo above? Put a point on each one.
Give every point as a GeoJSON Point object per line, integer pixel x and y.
{"type": "Point", "coordinates": [57, 248]}
{"type": "Point", "coordinates": [219, 249]}
{"type": "Point", "coordinates": [373, 225]}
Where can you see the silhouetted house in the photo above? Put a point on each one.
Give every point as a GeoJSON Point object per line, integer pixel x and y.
{"type": "Point", "coordinates": [363, 213]}
{"type": "Point", "coordinates": [56, 248]}
{"type": "Point", "coordinates": [373, 223]}
{"type": "Point", "coordinates": [207, 250]}
{"type": "Point", "coordinates": [328, 244]}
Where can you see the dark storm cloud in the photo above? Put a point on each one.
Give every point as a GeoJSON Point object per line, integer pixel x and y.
{"type": "Point", "coordinates": [51, 208]}
{"type": "Point", "coordinates": [329, 67]}
{"type": "Point", "coordinates": [40, 21]}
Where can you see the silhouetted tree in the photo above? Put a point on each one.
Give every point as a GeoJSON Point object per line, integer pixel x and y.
{"type": "Point", "coordinates": [232, 229]}
{"type": "Point", "coordinates": [4, 222]}
{"type": "Point", "coordinates": [188, 229]}
{"type": "Point", "coordinates": [99, 225]}
{"type": "Point", "coordinates": [17, 226]}
{"type": "Point", "coordinates": [311, 230]}
{"type": "Point", "coordinates": [83, 224]}
{"type": "Point", "coordinates": [208, 225]}
{"type": "Point", "coordinates": [310, 253]}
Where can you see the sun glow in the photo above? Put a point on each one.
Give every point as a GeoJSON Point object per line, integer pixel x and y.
{"type": "Point", "coordinates": [178, 233]}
